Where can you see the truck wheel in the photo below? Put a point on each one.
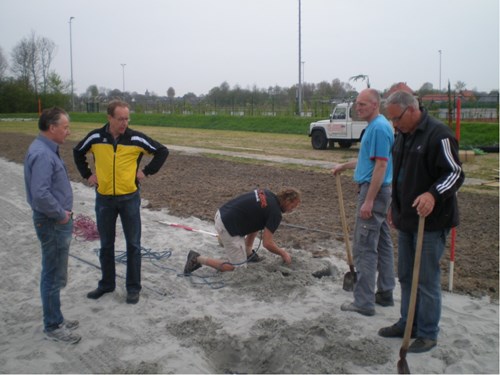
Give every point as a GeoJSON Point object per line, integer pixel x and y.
{"type": "Point", "coordinates": [318, 140]}
{"type": "Point", "coordinates": [345, 144]}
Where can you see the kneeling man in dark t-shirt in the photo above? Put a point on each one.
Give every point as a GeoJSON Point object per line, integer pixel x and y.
{"type": "Point", "coordinates": [237, 223]}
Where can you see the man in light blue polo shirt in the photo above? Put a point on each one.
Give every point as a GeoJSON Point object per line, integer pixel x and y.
{"type": "Point", "coordinates": [372, 245]}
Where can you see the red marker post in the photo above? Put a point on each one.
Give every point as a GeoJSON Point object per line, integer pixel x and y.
{"type": "Point", "coordinates": [453, 230]}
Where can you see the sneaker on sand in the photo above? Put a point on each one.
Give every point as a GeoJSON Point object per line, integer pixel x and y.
{"type": "Point", "coordinates": [192, 262]}
{"type": "Point", "coordinates": [132, 298]}
{"type": "Point", "coordinates": [254, 257]}
{"type": "Point", "coordinates": [70, 324]}
{"type": "Point", "coordinates": [351, 307]}
{"type": "Point", "coordinates": [421, 345]}
{"type": "Point", "coordinates": [384, 298]}
{"type": "Point", "coordinates": [395, 331]}
{"type": "Point", "coordinates": [62, 334]}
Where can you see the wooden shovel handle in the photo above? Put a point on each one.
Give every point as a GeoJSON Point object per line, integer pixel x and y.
{"type": "Point", "coordinates": [414, 284]}
{"type": "Point", "coordinates": [344, 221]}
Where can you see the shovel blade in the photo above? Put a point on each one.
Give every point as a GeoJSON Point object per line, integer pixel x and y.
{"type": "Point", "coordinates": [403, 366]}
{"type": "Point", "coordinates": [402, 363]}
{"type": "Point", "coordinates": [349, 281]}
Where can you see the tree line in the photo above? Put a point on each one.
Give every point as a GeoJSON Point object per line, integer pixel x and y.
{"type": "Point", "coordinates": [32, 80]}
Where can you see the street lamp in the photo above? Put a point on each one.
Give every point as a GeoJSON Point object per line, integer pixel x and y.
{"type": "Point", "coordinates": [71, 63]}
{"type": "Point", "coordinates": [440, 70]}
{"type": "Point", "coordinates": [123, 73]}
{"type": "Point", "coordinates": [299, 89]}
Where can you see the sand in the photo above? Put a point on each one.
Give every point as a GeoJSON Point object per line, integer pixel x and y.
{"type": "Point", "coordinates": [268, 318]}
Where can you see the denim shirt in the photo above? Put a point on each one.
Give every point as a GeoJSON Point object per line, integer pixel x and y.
{"type": "Point", "coordinates": [48, 189]}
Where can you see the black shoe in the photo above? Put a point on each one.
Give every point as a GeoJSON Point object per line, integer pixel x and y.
{"type": "Point", "coordinates": [384, 298]}
{"type": "Point", "coordinates": [324, 272]}
{"type": "Point", "coordinates": [132, 298]}
{"type": "Point", "coordinates": [421, 345]}
{"type": "Point", "coordinates": [192, 262]}
{"type": "Point", "coordinates": [254, 257]}
{"type": "Point", "coordinates": [395, 331]}
{"type": "Point", "coordinates": [97, 293]}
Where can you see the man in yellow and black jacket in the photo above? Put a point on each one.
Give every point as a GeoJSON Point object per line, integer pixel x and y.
{"type": "Point", "coordinates": [117, 151]}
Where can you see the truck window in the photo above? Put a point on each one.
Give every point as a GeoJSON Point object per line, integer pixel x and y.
{"type": "Point", "coordinates": [340, 114]}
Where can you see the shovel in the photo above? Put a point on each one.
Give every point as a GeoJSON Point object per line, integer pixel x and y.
{"type": "Point", "coordinates": [350, 277]}
{"type": "Point", "coordinates": [402, 364]}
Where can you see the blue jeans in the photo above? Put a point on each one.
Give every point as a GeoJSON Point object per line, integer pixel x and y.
{"type": "Point", "coordinates": [55, 240]}
{"type": "Point", "coordinates": [428, 306]}
{"type": "Point", "coordinates": [372, 250]}
{"type": "Point", "coordinates": [108, 208]}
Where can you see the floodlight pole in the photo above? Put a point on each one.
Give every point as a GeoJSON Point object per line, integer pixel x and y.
{"type": "Point", "coordinates": [299, 89]}
{"type": "Point", "coordinates": [71, 63]}
{"type": "Point", "coordinates": [440, 70]}
{"type": "Point", "coordinates": [123, 78]}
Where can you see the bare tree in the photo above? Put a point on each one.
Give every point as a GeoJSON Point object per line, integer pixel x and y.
{"type": "Point", "coordinates": [31, 59]}
{"type": "Point", "coordinates": [460, 86]}
{"type": "Point", "coordinates": [45, 49]}
{"type": "Point", "coordinates": [3, 64]}
{"type": "Point", "coordinates": [21, 61]}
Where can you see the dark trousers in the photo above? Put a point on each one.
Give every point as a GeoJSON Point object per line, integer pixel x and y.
{"type": "Point", "coordinates": [108, 208]}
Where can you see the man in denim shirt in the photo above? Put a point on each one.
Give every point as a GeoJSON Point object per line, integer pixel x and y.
{"type": "Point", "coordinates": [48, 192]}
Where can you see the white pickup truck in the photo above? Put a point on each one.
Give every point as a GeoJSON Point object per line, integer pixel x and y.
{"type": "Point", "coordinates": [343, 127]}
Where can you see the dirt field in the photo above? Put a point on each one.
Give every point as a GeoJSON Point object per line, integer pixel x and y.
{"type": "Point", "coordinates": [194, 185]}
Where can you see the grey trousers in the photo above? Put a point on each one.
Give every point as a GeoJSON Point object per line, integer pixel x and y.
{"type": "Point", "coordinates": [372, 250]}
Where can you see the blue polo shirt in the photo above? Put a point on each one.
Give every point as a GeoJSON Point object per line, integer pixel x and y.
{"type": "Point", "coordinates": [377, 143]}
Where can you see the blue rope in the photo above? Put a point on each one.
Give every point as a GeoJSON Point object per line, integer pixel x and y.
{"type": "Point", "coordinates": [155, 257]}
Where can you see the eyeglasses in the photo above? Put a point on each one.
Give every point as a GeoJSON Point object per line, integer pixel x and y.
{"type": "Point", "coordinates": [397, 119]}
{"type": "Point", "coordinates": [122, 119]}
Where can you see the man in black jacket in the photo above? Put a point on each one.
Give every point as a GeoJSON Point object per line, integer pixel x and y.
{"type": "Point", "coordinates": [427, 176]}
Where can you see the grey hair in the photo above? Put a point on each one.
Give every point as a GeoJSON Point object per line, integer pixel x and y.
{"type": "Point", "coordinates": [402, 99]}
{"type": "Point", "coordinates": [51, 116]}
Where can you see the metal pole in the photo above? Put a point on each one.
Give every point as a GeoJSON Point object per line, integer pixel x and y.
{"type": "Point", "coordinates": [71, 63]}
{"type": "Point", "coordinates": [299, 94]}
{"type": "Point", "coordinates": [440, 70]}
{"type": "Point", "coordinates": [123, 73]}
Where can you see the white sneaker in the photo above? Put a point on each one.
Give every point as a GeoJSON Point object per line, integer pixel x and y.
{"type": "Point", "coordinates": [62, 334]}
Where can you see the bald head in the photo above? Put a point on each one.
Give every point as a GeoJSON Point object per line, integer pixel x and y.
{"type": "Point", "coordinates": [367, 104]}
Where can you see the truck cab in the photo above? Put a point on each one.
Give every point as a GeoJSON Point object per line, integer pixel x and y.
{"type": "Point", "coordinates": [343, 127]}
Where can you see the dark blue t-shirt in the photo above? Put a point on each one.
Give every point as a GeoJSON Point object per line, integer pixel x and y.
{"type": "Point", "coordinates": [251, 212]}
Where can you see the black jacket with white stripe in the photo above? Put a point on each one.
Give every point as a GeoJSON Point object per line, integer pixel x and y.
{"type": "Point", "coordinates": [426, 161]}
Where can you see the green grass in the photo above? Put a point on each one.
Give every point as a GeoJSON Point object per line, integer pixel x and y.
{"type": "Point", "coordinates": [473, 134]}
{"type": "Point", "coordinates": [286, 145]}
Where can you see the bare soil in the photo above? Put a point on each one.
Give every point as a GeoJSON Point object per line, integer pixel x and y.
{"type": "Point", "coordinates": [196, 185]}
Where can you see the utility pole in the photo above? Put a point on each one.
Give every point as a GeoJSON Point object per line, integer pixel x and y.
{"type": "Point", "coordinates": [123, 77]}
{"type": "Point", "coordinates": [71, 63]}
{"type": "Point", "coordinates": [440, 70]}
{"type": "Point", "coordinates": [299, 89]}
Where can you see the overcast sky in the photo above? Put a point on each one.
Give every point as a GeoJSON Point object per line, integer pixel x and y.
{"type": "Point", "coordinates": [195, 45]}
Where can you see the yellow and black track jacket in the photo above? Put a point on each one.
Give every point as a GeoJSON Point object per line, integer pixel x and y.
{"type": "Point", "coordinates": [117, 161]}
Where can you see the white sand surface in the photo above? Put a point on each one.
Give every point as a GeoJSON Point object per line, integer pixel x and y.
{"type": "Point", "coordinates": [266, 319]}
